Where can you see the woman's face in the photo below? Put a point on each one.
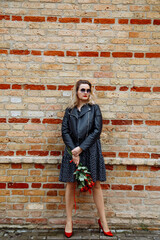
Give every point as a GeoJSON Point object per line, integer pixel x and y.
{"type": "Point", "coordinates": [84, 92]}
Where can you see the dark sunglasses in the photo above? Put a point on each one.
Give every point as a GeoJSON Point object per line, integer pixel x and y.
{"type": "Point", "coordinates": [83, 90]}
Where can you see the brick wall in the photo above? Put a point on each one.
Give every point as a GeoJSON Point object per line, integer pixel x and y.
{"type": "Point", "coordinates": [31, 194]}
{"type": "Point", "coordinates": [45, 47]}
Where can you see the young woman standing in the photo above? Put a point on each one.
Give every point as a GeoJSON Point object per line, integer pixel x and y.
{"type": "Point", "coordinates": [81, 129]}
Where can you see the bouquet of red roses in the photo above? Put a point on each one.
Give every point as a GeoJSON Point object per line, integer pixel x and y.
{"type": "Point", "coordinates": [83, 177]}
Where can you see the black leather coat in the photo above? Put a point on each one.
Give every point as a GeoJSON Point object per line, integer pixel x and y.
{"type": "Point", "coordinates": [82, 128]}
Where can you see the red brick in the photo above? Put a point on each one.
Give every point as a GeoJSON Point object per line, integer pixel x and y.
{"type": "Point", "coordinates": [155, 155]}
{"type": "Point", "coordinates": [53, 185]}
{"type": "Point", "coordinates": [16, 86]}
{"type": "Point", "coordinates": [37, 53]}
{"type": "Point", "coordinates": [35, 120]}
{"type": "Point", "coordinates": [54, 53]}
{"type": "Point", "coordinates": [152, 55]}
{"type": "Point", "coordinates": [152, 188]}
{"type": "Point", "coordinates": [4, 86]}
{"type": "Point", "coordinates": [109, 154]}
{"type": "Point", "coordinates": [121, 122]}
{"type": "Point", "coordinates": [140, 21]}
{"type": "Point", "coordinates": [86, 20]}
{"type": "Point", "coordinates": [51, 87]}
{"type": "Point", "coordinates": [18, 185]}
{"type": "Point", "coordinates": [104, 20]}
{"type": "Point", "coordinates": [59, 166]}
{"type": "Point", "coordinates": [52, 121]}
{"type": "Point", "coordinates": [139, 55]}
{"type": "Point", "coordinates": [156, 22]}
{"type": "Point", "coordinates": [51, 19]}
{"type": "Point", "coordinates": [156, 89]}
{"type": "Point", "coordinates": [5, 220]}
{"type": "Point", "coordinates": [105, 54]}
{"type": "Point", "coordinates": [20, 153]}
{"type": "Point", "coordinates": [2, 185]}
{"type": "Point", "coordinates": [139, 155]}
{"type": "Point", "coordinates": [16, 165]}
{"type": "Point", "coordinates": [124, 88]}
{"type": "Point", "coordinates": [131, 167]}
{"type": "Point", "coordinates": [122, 54]}
{"type": "Point", "coordinates": [55, 153]}
{"type": "Point", "coordinates": [38, 153]}
{"type": "Point", "coordinates": [39, 165]}
{"type": "Point", "coordinates": [71, 53]}
{"type": "Point", "coordinates": [152, 122]}
{"type": "Point", "coordinates": [155, 169]}
{"type": "Point", "coordinates": [34, 87]}
{"type": "Point", "coordinates": [5, 17]}
{"type": "Point", "coordinates": [121, 187]}
{"type": "Point", "coordinates": [51, 206]}
{"type": "Point", "coordinates": [62, 206]}
{"type": "Point", "coordinates": [62, 193]}
{"type": "Point", "coordinates": [109, 167]}
{"type": "Point", "coordinates": [18, 221]}
{"type": "Point", "coordinates": [123, 154]}
{"type": "Point", "coordinates": [3, 120]}
{"type": "Point", "coordinates": [138, 122]}
{"type": "Point", "coordinates": [52, 193]}
{"type": "Point", "coordinates": [34, 19]}
{"type": "Point", "coordinates": [36, 220]}
{"type": "Point", "coordinates": [19, 52]}
{"type": "Point", "coordinates": [123, 21]}
{"type": "Point", "coordinates": [88, 54]}
{"type": "Point", "coordinates": [138, 187]}
{"type": "Point", "coordinates": [105, 186]}
{"type": "Point", "coordinates": [68, 20]}
{"type": "Point", "coordinates": [141, 89]}
{"type": "Point", "coordinates": [3, 51]}
{"type": "Point", "coordinates": [36, 185]}
{"type": "Point", "coordinates": [18, 120]}
{"type": "Point", "coordinates": [68, 87]}
{"type": "Point", "coordinates": [16, 18]}
{"type": "Point", "coordinates": [105, 88]}
{"type": "Point", "coordinates": [106, 122]}
{"type": "Point", "coordinates": [6, 153]}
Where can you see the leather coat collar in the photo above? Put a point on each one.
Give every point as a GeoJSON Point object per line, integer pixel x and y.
{"type": "Point", "coordinates": [84, 109]}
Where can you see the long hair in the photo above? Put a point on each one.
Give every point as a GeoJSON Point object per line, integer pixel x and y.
{"type": "Point", "coordinates": [74, 98]}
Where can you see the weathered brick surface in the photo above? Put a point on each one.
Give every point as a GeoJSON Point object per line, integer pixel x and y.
{"type": "Point", "coordinates": [45, 47]}
{"type": "Point", "coordinates": [37, 202]}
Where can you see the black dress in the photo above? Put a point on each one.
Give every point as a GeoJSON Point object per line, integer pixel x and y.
{"type": "Point", "coordinates": [91, 156]}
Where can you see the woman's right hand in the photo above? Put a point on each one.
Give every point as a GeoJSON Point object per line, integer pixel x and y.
{"type": "Point", "coordinates": [76, 159]}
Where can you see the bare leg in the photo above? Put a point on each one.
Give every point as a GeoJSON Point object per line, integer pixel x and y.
{"type": "Point", "coordinates": [69, 196]}
{"type": "Point", "coordinates": [98, 199]}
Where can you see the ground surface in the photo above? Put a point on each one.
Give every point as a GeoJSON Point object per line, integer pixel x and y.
{"type": "Point", "coordinates": [37, 234]}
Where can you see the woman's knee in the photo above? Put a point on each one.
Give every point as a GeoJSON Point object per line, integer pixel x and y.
{"type": "Point", "coordinates": [70, 186]}
{"type": "Point", "coordinates": [97, 185]}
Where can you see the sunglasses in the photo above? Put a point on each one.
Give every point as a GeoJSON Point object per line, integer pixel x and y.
{"type": "Point", "coordinates": [83, 90]}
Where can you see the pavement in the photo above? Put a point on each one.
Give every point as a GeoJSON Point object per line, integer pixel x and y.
{"type": "Point", "coordinates": [45, 234]}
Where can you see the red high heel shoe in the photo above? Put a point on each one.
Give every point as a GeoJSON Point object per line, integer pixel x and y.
{"type": "Point", "coordinates": [69, 234]}
{"type": "Point", "coordinates": [105, 233]}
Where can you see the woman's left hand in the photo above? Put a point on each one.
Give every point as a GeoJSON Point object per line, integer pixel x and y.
{"type": "Point", "coordinates": [76, 151]}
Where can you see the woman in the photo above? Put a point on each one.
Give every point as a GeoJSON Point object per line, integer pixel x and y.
{"type": "Point", "coordinates": [81, 129]}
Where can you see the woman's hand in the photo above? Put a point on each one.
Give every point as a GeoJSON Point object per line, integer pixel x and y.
{"type": "Point", "coordinates": [76, 159]}
{"type": "Point", "coordinates": [76, 151]}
